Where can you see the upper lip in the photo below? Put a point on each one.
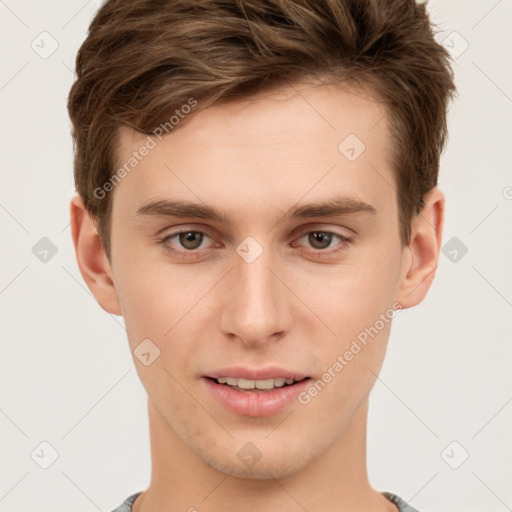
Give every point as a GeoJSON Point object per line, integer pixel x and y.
{"type": "Point", "coordinates": [270, 372]}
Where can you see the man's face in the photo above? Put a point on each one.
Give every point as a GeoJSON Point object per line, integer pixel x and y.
{"type": "Point", "coordinates": [271, 290]}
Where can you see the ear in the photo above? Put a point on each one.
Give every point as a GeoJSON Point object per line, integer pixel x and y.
{"type": "Point", "coordinates": [91, 257]}
{"type": "Point", "coordinates": [421, 256]}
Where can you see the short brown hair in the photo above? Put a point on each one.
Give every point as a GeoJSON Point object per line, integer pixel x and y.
{"type": "Point", "coordinates": [142, 59]}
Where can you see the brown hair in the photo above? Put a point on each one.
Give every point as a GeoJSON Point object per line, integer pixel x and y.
{"type": "Point", "coordinates": [143, 59]}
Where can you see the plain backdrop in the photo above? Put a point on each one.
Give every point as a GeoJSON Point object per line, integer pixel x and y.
{"type": "Point", "coordinates": [441, 411]}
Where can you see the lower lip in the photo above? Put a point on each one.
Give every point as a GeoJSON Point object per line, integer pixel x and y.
{"type": "Point", "coordinates": [254, 403]}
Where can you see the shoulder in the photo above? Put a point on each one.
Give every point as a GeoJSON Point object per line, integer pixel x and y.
{"type": "Point", "coordinates": [126, 506]}
{"type": "Point", "coordinates": [402, 505]}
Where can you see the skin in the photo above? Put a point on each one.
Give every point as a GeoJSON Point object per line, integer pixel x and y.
{"type": "Point", "coordinates": [291, 307]}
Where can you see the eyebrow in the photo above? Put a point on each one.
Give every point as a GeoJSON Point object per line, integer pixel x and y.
{"type": "Point", "coordinates": [340, 205]}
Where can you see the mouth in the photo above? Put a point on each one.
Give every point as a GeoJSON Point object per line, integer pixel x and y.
{"type": "Point", "coordinates": [256, 386]}
{"type": "Point", "coordinates": [256, 393]}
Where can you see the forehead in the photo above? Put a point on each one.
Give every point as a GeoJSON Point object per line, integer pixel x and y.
{"type": "Point", "coordinates": [271, 149]}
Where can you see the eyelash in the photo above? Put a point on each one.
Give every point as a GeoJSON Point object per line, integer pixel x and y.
{"type": "Point", "coordinates": [344, 242]}
{"type": "Point", "coordinates": [193, 253]}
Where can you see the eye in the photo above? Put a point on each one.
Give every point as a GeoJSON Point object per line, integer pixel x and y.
{"type": "Point", "coordinates": [195, 243]}
{"type": "Point", "coordinates": [189, 240]}
{"type": "Point", "coordinates": [320, 240]}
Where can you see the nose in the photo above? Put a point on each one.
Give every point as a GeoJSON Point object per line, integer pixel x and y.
{"type": "Point", "coordinates": [256, 306]}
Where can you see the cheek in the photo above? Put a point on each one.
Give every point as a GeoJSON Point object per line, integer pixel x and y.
{"type": "Point", "coordinates": [358, 304]}
{"type": "Point", "coordinates": [351, 296]}
{"type": "Point", "coordinates": [157, 309]}
{"type": "Point", "coordinates": [148, 288]}
{"type": "Point", "coordinates": [166, 306]}
{"type": "Point", "coordinates": [142, 306]}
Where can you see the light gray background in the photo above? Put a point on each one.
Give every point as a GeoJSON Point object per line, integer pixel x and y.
{"type": "Point", "coordinates": [66, 373]}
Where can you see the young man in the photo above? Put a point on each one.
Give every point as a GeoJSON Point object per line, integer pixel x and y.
{"type": "Point", "coordinates": [256, 196]}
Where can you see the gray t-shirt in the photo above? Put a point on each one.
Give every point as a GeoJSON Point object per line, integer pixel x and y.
{"type": "Point", "coordinates": [402, 505]}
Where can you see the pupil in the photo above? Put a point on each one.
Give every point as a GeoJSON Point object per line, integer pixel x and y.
{"type": "Point", "coordinates": [191, 239]}
{"type": "Point", "coordinates": [320, 239]}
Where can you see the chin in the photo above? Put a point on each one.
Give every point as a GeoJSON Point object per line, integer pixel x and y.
{"type": "Point", "coordinates": [276, 463]}
{"type": "Point", "coordinates": [269, 470]}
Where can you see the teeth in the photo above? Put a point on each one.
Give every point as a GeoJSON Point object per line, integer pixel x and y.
{"type": "Point", "coordinates": [255, 384]}
{"type": "Point", "coordinates": [266, 384]}
{"type": "Point", "coordinates": [246, 384]}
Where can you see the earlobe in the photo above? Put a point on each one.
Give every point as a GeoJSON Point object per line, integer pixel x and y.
{"type": "Point", "coordinates": [421, 257]}
{"type": "Point", "coordinates": [91, 258]}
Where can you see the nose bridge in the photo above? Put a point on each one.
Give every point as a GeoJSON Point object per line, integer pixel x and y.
{"type": "Point", "coordinates": [255, 307]}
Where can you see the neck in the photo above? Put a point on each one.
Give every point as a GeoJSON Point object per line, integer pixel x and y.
{"type": "Point", "coordinates": [337, 480]}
